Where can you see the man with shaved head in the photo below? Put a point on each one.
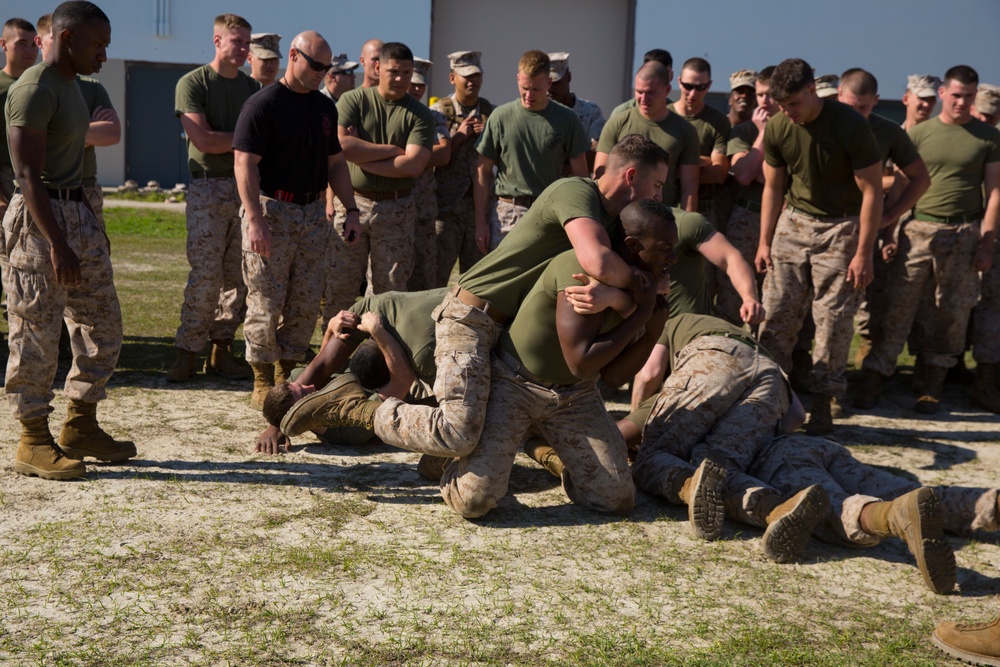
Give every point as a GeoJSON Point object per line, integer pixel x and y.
{"type": "Point", "coordinates": [286, 153]}
{"type": "Point", "coordinates": [371, 51]}
{"type": "Point", "coordinates": [17, 41]}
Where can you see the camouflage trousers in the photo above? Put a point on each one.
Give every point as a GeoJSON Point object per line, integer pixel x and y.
{"type": "Point", "coordinates": [503, 216]}
{"type": "Point", "coordinates": [986, 323]}
{"type": "Point", "coordinates": [935, 254]}
{"type": "Point", "coordinates": [456, 240]}
{"type": "Point", "coordinates": [465, 337]}
{"type": "Point", "coordinates": [793, 462]}
{"type": "Point", "coordinates": [724, 397]}
{"type": "Point", "coordinates": [284, 289]}
{"type": "Point", "coordinates": [872, 309]}
{"type": "Point", "coordinates": [810, 257]}
{"type": "Point", "coordinates": [385, 251]}
{"type": "Point", "coordinates": [37, 304]}
{"type": "Point", "coordinates": [6, 187]}
{"type": "Point", "coordinates": [215, 294]}
{"type": "Point", "coordinates": [573, 421]}
{"type": "Point", "coordinates": [743, 231]}
{"type": "Point", "coordinates": [425, 248]}
{"type": "Point", "coordinates": [95, 195]}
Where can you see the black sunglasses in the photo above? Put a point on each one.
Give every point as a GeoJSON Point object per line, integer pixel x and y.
{"type": "Point", "coordinates": [700, 87]}
{"type": "Point", "coordinates": [316, 67]}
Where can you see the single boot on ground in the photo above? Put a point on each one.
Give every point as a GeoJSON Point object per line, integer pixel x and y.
{"type": "Point", "coordinates": [185, 366]}
{"type": "Point", "coordinates": [978, 643]}
{"type": "Point", "coordinates": [790, 524]}
{"type": "Point", "coordinates": [869, 390]}
{"type": "Point", "coordinates": [930, 401]}
{"type": "Point", "coordinates": [702, 492]}
{"type": "Point", "coordinates": [985, 392]}
{"type": "Point", "coordinates": [38, 456]}
{"type": "Point", "coordinates": [221, 361]}
{"type": "Point", "coordinates": [82, 436]}
{"type": "Point", "coordinates": [820, 415]}
{"type": "Point", "coordinates": [263, 380]}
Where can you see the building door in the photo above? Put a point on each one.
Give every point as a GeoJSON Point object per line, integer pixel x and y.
{"type": "Point", "coordinates": [155, 148]}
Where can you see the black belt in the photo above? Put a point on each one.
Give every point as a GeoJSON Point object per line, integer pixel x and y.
{"type": "Point", "coordinates": [66, 194]}
{"type": "Point", "coordinates": [949, 219]}
{"type": "Point", "coordinates": [522, 200]}
{"type": "Point", "coordinates": [824, 218]}
{"type": "Point", "coordinates": [752, 206]}
{"type": "Point", "coordinates": [221, 173]}
{"type": "Point", "coordinates": [383, 195]}
{"type": "Point", "coordinates": [745, 339]}
{"type": "Point", "coordinates": [294, 198]}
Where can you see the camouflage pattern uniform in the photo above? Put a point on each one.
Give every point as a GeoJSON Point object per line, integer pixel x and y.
{"type": "Point", "coordinates": [285, 288]}
{"type": "Point", "coordinates": [465, 337]}
{"type": "Point", "coordinates": [722, 396]}
{"type": "Point", "coordinates": [37, 304]}
{"type": "Point", "coordinates": [986, 321]}
{"type": "Point", "coordinates": [743, 231]}
{"type": "Point", "coordinates": [456, 224]}
{"type": "Point", "coordinates": [590, 117]}
{"type": "Point", "coordinates": [424, 227]}
{"type": "Point", "coordinates": [573, 421]}
{"type": "Point", "coordinates": [503, 216]}
{"type": "Point", "coordinates": [6, 186]}
{"type": "Point", "coordinates": [793, 462]}
{"type": "Point", "coordinates": [810, 258]}
{"type": "Point", "coordinates": [937, 254]}
{"type": "Point", "coordinates": [215, 294]}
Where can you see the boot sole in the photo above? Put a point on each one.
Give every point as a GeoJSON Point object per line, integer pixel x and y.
{"type": "Point", "coordinates": [925, 540]}
{"type": "Point", "coordinates": [706, 511]}
{"type": "Point", "coordinates": [927, 405]}
{"type": "Point", "coordinates": [78, 454]}
{"type": "Point", "coordinates": [29, 470]}
{"type": "Point", "coordinates": [968, 656]}
{"type": "Point", "coordinates": [293, 423]}
{"type": "Point", "coordinates": [785, 538]}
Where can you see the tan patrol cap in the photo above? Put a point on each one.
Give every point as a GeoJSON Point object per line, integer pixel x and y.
{"type": "Point", "coordinates": [744, 78]}
{"type": "Point", "coordinates": [465, 63]}
{"type": "Point", "coordinates": [342, 64]}
{"type": "Point", "coordinates": [923, 85]}
{"type": "Point", "coordinates": [264, 45]}
{"type": "Point", "coordinates": [558, 65]}
{"type": "Point", "coordinates": [826, 85]}
{"type": "Point", "coordinates": [988, 99]}
{"type": "Point", "coordinates": [421, 71]}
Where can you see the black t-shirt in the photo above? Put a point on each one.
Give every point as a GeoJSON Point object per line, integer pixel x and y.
{"type": "Point", "coordinates": [293, 133]}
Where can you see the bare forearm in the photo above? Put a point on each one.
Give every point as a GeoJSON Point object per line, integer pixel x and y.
{"type": "Point", "coordinates": [360, 151]}
{"type": "Point", "coordinates": [871, 220]}
{"type": "Point", "coordinates": [332, 358]}
{"type": "Point", "coordinates": [715, 172]}
{"type": "Point", "coordinates": [104, 133]}
{"type": "Point", "coordinates": [630, 361]}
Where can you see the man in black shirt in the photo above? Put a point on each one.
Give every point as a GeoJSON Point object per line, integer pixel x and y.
{"type": "Point", "coordinates": [286, 152]}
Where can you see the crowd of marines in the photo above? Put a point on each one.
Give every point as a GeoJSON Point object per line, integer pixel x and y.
{"type": "Point", "coordinates": [716, 263]}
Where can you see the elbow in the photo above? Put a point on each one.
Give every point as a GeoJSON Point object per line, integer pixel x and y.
{"type": "Point", "coordinates": [743, 179]}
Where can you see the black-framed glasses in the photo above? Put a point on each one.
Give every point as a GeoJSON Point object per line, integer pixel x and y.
{"type": "Point", "coordinates": [316, 66]}
{"type": "Point", "coordinates": [700, 87]}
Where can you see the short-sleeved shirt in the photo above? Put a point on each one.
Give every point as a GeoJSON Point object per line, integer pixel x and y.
{"type": "Point", "coordinates": [6, 81]}
{"type": "Point", "coordinates": [293, 133]}
{"type": "Point", "coordinates": [674, 134]}
{"type": "Point", "coordinates": [406, 316]}
{"type": "Point", "coordinates": [454, 180]}
{"type": "Point", "coordinates": [893, 142]}
{"type": "Point", "coordinates": [530, 147]}
{"type": "Point", "coordinates": [682, 330]}
{"type": "Point", "coordinates": [623, 107]}
{"type": "Point", "coordinates": [956, 157]}
{"type": "Point", "coordinates": [96, 96]}
{"type": "Point", "coordinates": [821, 158]}
{"type": "Point", "coordinates": [741, 140]}
{"type": "Point", "coordinates": [590, 117]}
{"type": "Point", "coordinates": [532, 337]}
{"type": "Point", "coordinates": [505, 275]}
{"type": "Point", "coordinates": [219, 99]}
{"type": "Point", "coordinates": [388, 122]}
{"type": "Point", "coordinates": [43, 99]}
{"type": "Point", "coordinates": [712, 126]}
{"type": "Point", "coordinates": [688, 287]}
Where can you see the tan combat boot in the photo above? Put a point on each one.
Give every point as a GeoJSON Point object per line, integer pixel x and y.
{"type": "Point", "coordinates": [37, 453]}
{"type": "Point", "coordinates": [221, 361]}
{"type": "Point", "coordinates": [263, 380]}
{"type": "Point", "coordinates": [820, 415]}
{"type": "Point", "coordinates": [916, 519]}
{"type": "Point", "coordinates": [978, 643]}
{"type": "Point", "coordinates": [539, 451]}
{"type": "Point", "coordinates": [283, 371]}
{"type": "Point", "coordinates": [82, 436]}
{"type": "Point", "coordinates": [432, 467]}
{"type": "Point", "coordinates": [790, 523]}
{"type": "Point", "coordinates": [185, 366]}
{"type": "Point", "coordinates": [985, 392]}
{"type": "Point", "coordinates": [864, 349]}
{"type": "Point", "coordinates": [702, 493]}
{"type": "Point", "coordinates": [869, 389]}
{"type": "Point", "coordinates": [930, 400]}
{"type": "Point", "coordinates": [343, 402]}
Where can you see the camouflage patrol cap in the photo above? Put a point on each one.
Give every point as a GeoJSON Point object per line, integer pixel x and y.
{"type": "Point", "coordinates": [465, 63]}
{"type": "Point", "coordinates": [988, 99]}
{"type": "Point", "coordinates": [744, 78]}
{"type": "Point", "coordinates": [923, 85]}
{"type": "Point", "coordinates": [264, 45]}
{"type": "Point", "coordinates": [342, 64]}
{"type": "Point", "coordinates": [826, 85]}
{"type": "Point", "coordinates": [421, 71]}
{"type": "Point", "coordinates": [558, 65]}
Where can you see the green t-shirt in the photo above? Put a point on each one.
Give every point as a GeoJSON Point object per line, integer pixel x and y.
{"type": "Point", "coordinates": [821, 158]}
{"type": "Point", "coordinates": [96, 96]}
{"type": "Point", "coordinates": [893, 142]}
{"type": "Point", "coordinates": [623, 107]}
{"type": "Point", "coordinates": [530, 147]}
{"type": "Point", "coordinates": [389, 122]}
{"type": "Point", "coordinates": [741, 140]}
{"type": "Point", "coordinates": [688, 287]}
{"type": "Point", "coordinates": [203, 91]}
{"type": "Point", "coordinates": [674, 134]}
{"type": "Point", "coordinates": [532, 337]}
{"type": "Point", "coordinates": [6, 81]}
{"type": "Point", "coordinates": [406, 316]}
{"type": "Point", "coordinates": [44, 100]}
{"type": "Point", "coordinates": [712, 126]}
{"type": "Point", "coordinates": [685, 328]}
{"type": "Point", "coordinates": [505, 275]}
{"type": "Point", "coordinates": [956, 157]}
